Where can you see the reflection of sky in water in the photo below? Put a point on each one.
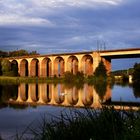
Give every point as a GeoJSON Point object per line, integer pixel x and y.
{"type": "Point", "coordinates": [59, 89]}
{"type": "Point", "coordinates": [12, 120]}
{"type": "Point", "coordinates": [123, 94]}
{"type": "Point", "coordinates": [59, 68]}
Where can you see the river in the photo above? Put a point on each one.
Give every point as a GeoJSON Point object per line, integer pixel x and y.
{"type": "Point", "coordinates": [25, 104]}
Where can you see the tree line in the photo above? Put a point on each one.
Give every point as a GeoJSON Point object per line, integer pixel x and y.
{"type": "Point", "coordinates": [15, 53]}
{"type": "Point", "coordinates": [135, 72]}
{"type": "Point", "coordinates": [123, 72]}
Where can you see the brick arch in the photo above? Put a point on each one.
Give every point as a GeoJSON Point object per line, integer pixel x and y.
{"type": "Point", "coordinates": [14, 67]}
{"type": "Point", "coordinates": [24, 70]}
{"type": "Point", "coordinates": [14, 62]}
{"type": "Point", "coordinates": [72, 64]}
{"type": "Point", "coordinates": [87, 64]}
{"type": "Point", "coordinates": [59, 66]}
{"type": "Point", "coordinates": [46, 67]}
{"type": "Point", "coordinates": [34, 67]}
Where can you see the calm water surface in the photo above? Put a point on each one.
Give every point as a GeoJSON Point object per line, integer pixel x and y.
{"type": "Point", "coordinates": [25, 104]}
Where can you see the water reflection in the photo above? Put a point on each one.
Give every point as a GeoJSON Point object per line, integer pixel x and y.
{"type": "Point", "coordinates": [27, 98]}
{"type": "Point", "coordinates": [54, 95]}
{"type": "Point", "coordinates": [50, 94]}
{"type": "Point", "coordinates": [136, 90]}
{"type": "Point", "coordinates": [101, 88]}
{"type": "Point", "coordinates": [6, 92]}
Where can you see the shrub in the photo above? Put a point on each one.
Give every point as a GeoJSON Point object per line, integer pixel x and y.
{"type": "Point", "coordinates": [6, 65]}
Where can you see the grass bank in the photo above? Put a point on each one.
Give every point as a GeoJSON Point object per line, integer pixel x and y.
{"type": "Point", "coordinates": [17, 80]}
{"type": "Point", "coordinates": [68, 79]}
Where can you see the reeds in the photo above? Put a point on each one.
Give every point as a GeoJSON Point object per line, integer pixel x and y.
{"type": "Point", "coordinates": [89, 124]}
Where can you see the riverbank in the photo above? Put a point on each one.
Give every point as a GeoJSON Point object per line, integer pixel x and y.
{"type": "Point", "coordinates": [18, 80]}
{"type": "Point", "coordinates": [68, 80]}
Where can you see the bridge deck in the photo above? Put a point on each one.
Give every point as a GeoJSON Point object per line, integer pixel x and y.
{"type": "Point", "coordinates": [118, 53]}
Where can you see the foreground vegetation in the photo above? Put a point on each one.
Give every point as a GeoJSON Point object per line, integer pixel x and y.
{"type": "Point", "coordinates": [88, 124]}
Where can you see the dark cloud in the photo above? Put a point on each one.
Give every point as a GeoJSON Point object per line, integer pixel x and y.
{"type": "Point", "coordinates": [69, 28]}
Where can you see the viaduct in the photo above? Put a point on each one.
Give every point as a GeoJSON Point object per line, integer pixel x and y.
{"type": "Point", "coordinates": [56, 64]}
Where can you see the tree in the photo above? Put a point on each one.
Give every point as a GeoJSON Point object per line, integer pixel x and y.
{"type": "Point", "coordinates": [33, 53]}
{"type": "Point", "coordinates": [100, 70]}
{"type": "Point", "coordinates": [3, 54]}
{"type": "Point", "coordinates": [18, 53]}
{"type": "Point", "coordinates": [136, 73]}
{"type": "Point", "coordinates": [0, 67]}
{"type": "Point", "coordinates": [6, 67]}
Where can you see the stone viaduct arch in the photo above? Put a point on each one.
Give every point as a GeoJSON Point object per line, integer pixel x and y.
{"type": "Point", "coordinates": [73, 64]}
{"type": "Point", "coordinates": [87, 64]}
{"type": "Point", "coordinates": [59, 67]}
{"type": "Point", "coordinates": [34, 67]}
{"type": "Point", "coordinates": [24, 70]}
{"type": "Point", "coordinates": [14, 67]}
{"type": "Point", "coordinates": [46, 70]}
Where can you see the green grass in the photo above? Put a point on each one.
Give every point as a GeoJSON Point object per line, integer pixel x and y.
{"type": "Point", "coordinates": [17, 80]}
{"type": "Point", "coordinates": [78, 81]}
{"type": "Point", "coordinates": [107, 123]}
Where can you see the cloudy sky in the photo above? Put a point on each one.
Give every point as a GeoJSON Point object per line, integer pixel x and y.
{"type": "Point", "coordinates": [50, 26]}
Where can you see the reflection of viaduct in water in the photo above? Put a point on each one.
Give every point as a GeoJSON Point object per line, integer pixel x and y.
{"type": "Point", "coordinates": [57, 64]}
{"type": "Point", "coordinates": [58, 95]}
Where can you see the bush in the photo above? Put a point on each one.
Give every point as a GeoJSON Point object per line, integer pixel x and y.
{"type": "Point", "coordinates": [6, 66]}
{"type": "Point", "coordinates": [74, 80]}
{"type": "Point", "coordinates": [68, 76]}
